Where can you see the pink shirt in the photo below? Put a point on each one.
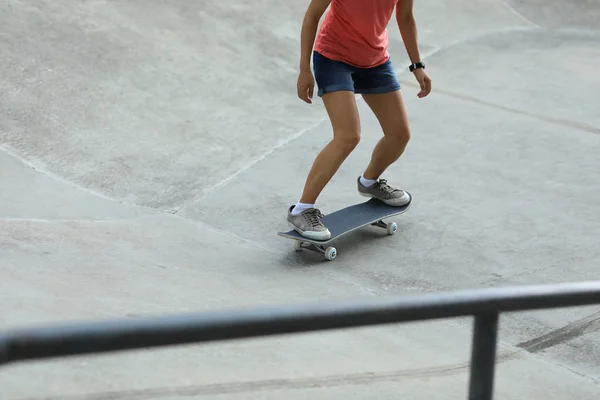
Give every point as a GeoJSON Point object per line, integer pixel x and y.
{"type": "Point", "coordinates": [355, 32]}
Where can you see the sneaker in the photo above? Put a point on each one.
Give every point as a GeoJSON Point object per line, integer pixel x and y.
{"type": "Point", "coordinates": [384, 192]}
{"type": "Point", "coordinates": [308, 224]}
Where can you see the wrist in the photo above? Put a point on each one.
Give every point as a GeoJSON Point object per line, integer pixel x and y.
{"type": "Point", "coordinates": [304, 65]}
{"type": "Point", "coordinates": [416, 65]}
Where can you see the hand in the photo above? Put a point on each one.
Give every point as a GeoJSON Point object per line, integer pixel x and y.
{"type": "Point", "coordinates": [424, 80]}
{"type": "Point", "coordinates": [306, 85]}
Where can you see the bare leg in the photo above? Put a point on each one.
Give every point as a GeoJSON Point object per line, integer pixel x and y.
{"type": "Point", "coordinates": [343, 113]}
{"type": "Point", "coordinates": [390, 110]}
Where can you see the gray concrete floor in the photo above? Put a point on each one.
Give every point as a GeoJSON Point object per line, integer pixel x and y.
{"type": "Point", "coordinates": [149, 150]}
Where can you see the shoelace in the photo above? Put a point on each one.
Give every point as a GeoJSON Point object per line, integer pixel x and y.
{"type": "Point", "coordinates": [313, 217]}
{"type": "Point", "coordinates": [383, 186]}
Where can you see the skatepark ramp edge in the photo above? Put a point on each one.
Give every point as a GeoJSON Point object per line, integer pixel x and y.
{"type": "Point", "coordinates": [485, 305]}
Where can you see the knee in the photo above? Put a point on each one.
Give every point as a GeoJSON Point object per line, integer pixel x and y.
{"type": "Point", "coordinates": [348, 140]}
{"type": "Point", "coordinates": [400, 135]}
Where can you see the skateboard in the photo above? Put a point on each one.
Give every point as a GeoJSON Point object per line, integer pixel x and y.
{"type": "Point", "coordinates": [345, 220]}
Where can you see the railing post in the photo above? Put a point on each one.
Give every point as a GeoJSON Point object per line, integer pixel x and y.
{"type": "Point", "coordinates": [3, 349]}
{"type": "Point", "coordinates": [483, 357]}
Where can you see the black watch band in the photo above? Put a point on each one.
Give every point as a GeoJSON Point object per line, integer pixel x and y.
{"type": "Point", "coordinates": [414, 66]}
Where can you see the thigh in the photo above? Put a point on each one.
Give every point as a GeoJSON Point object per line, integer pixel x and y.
{"type": "Point", "coordinates": [343, 114]}
{"type": "Point", "coordinates": [390, 110]}
{"type": "Point", "coordinates": [331, 76]}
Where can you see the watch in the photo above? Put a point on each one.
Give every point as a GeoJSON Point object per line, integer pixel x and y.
{"type": "Point", "coordinates": [414, 66]}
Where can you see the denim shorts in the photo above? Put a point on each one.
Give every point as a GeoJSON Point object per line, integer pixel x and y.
{"type": "Point", "coordinates": [332, 76]}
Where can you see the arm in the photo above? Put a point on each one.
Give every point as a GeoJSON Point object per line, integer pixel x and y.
{"type": "Point", "coordinates": [408, 29]}
{"type": "Point", "coordinates": [313, 15]}
{"type": "Point", "coordinates": [306, 81]}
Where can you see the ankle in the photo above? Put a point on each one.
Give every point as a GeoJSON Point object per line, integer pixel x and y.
{"type": "Point", "coordinates": [366, 182]}
{"type": "Point", "coordinates": [300, 207]}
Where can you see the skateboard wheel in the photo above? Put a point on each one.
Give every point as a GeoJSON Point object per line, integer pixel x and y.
{"type": "Point", "coordinates": [297, 245]}
{"type": "Point", "coordinates": [330, 253]}
{"type": "Point", "coordinates": [392, 228]}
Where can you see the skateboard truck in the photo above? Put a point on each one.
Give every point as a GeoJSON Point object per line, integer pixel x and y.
{"type": "Point", "coordinates": [391, 227]}
{"type": "Point", "coordinates": [331, 252]}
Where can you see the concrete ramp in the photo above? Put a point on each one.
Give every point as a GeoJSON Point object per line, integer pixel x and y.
{"type": "Point", "coordinates": [554, 14]}
{"type": "Point", "coordinates": [149, 103]}
{"type": "Point", "coordinates": [149, 151]}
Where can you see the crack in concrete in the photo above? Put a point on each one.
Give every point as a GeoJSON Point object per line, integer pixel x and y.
{"type": "Point", "coordinates": [519, 15]}
{"type": "Point", "coordinates": [75, 220]}
{"type": "Point", "coordinates": [35, 165]}
{"type": "Point", "coordinates": [563, 335]}
{"type": "Point", "coordinates": [40, 169]}
{"type": "Point", "coordinates": [363, 378]}
{"type": "Point", "coordinates": [557, 121]}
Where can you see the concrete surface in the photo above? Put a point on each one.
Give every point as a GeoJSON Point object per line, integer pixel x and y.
{"type": "Point", "coordinates": [149, 151]}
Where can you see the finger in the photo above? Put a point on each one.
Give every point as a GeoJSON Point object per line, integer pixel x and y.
{"type": "Point", "coordinates": [302, 90]}
{"type": "Point", "coordinates": [424, 92]}
{"type": "Point", "coordinates": [423, 89]}
{"type": "Point", "coordinates": [308, 94]}
{"type": "Point", "coordinates": [311, 90]}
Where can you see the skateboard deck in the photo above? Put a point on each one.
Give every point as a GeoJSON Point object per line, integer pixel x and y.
{"type": "Point", "coordinates": [345, 220]}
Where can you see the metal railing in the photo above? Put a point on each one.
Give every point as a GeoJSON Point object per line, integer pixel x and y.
{"type": "Point", "coordinates": [484, 304]}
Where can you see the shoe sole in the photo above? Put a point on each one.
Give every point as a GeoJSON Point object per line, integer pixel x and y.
{"type": "Point", "coordinates": [309, 236]}
{"type": "Point", "coordinates": [385, 201]}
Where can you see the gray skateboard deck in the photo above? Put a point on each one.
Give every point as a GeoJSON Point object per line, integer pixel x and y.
{"type": "Point", "coordinates": [340, 222]}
